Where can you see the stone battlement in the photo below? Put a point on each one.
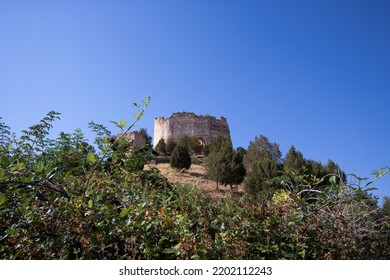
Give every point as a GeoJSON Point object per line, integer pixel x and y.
{"type": "Point", "coordinates": [178, 125]}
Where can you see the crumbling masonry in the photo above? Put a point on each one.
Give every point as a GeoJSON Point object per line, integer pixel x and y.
{"type": "Point", "coordinates": [205, 128]}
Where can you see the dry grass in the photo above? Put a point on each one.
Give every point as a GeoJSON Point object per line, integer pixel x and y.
{"type": "Point", "coordinates": [196, 176]}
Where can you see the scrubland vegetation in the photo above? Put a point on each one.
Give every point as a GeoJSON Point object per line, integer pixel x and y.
{"type": "Point", "coordinates": [65, 198]}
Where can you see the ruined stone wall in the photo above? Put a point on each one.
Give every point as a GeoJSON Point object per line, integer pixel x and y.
{"type": "Point", "coordinates": [188, 124]}
{"type": "Point", "coordinates": [137, 140]}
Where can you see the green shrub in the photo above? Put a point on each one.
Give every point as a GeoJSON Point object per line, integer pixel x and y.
{"type": "Point", "coordinates": [161, 147]}
{"type": "Point", "coordinates": [191, 143]}
{"type": "Point", "coordinates": [52, 207]}
{"type": "Point", "coordinates": [180, 158]}
{"type": "Point", "coordinates": [170, 146]}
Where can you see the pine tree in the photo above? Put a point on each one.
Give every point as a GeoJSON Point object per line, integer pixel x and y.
{"type": "Point", "coordinates": [332, 168]}
{"type": "Point", "coordinates": [294, 160]}
{"type": "Point", "coordinates": [261, 148]}
{"type": "Point", "coordinates": [262, 163]}
{"type": "Point", "coordinates": [224, 165]}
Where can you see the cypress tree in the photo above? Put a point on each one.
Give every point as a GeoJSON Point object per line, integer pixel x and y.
{"type": "Point", "coordinates": [180, 158]}
{"type": "Point", "coordinates": [161, 146]}
{"type": "Point", "coordinates": [219, 161]}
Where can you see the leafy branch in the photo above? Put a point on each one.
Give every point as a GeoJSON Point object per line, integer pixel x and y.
{"type": "Point", "coordinates": [122, 125]}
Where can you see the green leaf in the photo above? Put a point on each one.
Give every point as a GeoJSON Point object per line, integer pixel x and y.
{"type": "Point", "coordinates": [116, 123]}
{"type": "Point", "coordinates": [20, 166]}
{"type": "Point", "coordinates": [2, 198]}
{"type": "Point", "coordinates": [172, 250]}
{"type": "Point", "coordinates": [358, 178]}
{"type": "Point", "coordinates": [68, 175]}
{"type": "Point", "coordinates": [51, 173]}
{"type": "Point", "coordinates": [91, 158]}
{"type": "Point", "coordinates": [39, 166]}
{"type": "Point", "coordinates": [2, 173]}
{"type": "Point", "coordinates": [122, 124]}
{"type": "Point", "coordinates": [321, 195]}
{"type": "Point", "coordinates": [11, 232]}
{"type": "Point", "coordinates": [148, 226]}
{"type": "Point", "coordinates": [124, 212]}
{"type": "Point", "coordinates": [215, 226]}
{"type": "Point", "coordinates": [90, 203]}
{"type": "Point", "coordinates": [332, 180]}
{"type": "Point", "coordinates": [138, 116]}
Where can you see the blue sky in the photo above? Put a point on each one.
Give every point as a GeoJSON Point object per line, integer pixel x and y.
{"type": "Point", "coordinates": [313, 74]}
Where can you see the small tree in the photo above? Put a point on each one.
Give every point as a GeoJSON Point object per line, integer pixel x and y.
{"type": "Point", "coordinates": [219, 160]}
{"type": "Point", "coordinates": [170, 146]}
{"type": "Point", "coordinates": [294, 160]}
{"type": "Point", "coordinates": [161, 146]}
{"type": "Point", "coordinates": [258, 180]}
{"type": "Point", "coordinates": [314, 168]}
{"type": "Point", "coordinates": [145, 134]}
{"type": "Point", "coordinates": [261, 148]}
{"type": "Point", "coordinates": [332, 168]}
{"type": "Point", "coordinates": [190, 142]}
{"type": "Point", "coordinates": [237, 170]}
{"type": "Point", "coordinates": [386, 206]}
{"type": "Point", "coordinates": [180, 158]}
{"type": "Point", "coordinates": [262, 163]}
{"type": "Point", "coordinates": [241, 153]}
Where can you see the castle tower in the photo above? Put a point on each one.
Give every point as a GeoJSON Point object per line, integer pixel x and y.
{"type": "Point", "coordinates": [178, 125]}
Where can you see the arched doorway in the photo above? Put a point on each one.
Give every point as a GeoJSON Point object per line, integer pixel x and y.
{"type": "Point", "coordinates": [200, 145]}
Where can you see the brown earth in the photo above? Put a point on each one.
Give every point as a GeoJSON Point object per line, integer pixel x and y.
{"type": "Point", "coordinates": [196, 176]}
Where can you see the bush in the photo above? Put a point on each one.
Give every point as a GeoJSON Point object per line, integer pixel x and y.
{"type": "Point", "coordinates": [261, 162]}
{"type": "Point", "coordinates": [52, 207]}
{"type": "Point", "coordinates": [161, 147]}
{"type": "Point", "coordinates": [224, 165]}
{"type": "Point", "coordinates": [170, 146]}
{"type": "Point", "coordinates": [191, 143]}
{"type": "Point", "coordinates": [259, 180]}
{"type": "Point", "coordinates": [148, 138]}
{"type": "Point", "coordinates": [180, 158]}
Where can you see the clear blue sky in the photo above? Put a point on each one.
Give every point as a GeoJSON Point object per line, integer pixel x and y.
{"type": "Point", "coordinates": [313, 74]}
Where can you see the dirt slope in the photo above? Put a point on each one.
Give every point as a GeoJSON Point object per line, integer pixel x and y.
{"type": "Point", "coordinates": [196, 175]}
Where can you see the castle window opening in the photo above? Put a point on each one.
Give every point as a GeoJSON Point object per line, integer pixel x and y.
{"type": "Point", "coordinates": [200, 145]}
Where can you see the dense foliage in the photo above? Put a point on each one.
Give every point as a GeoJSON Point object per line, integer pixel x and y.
{"type": "Point", "coordinates": [67, 199]}
{"type": "Point", "coordinates": [224, 165]}
{"type": "Point", "coordinates": [148, 138]}
{"type": "Point", "coordinates": [160, 147]}
{"type": "Point", "coordinates": [263, 163]}
{"type": "Point", "coordinates": [180, 157]}
{"type": "Point", "coordinates": [170, 146]}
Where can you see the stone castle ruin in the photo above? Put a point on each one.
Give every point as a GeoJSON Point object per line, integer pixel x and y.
{"type": "Point", "coordinates": [136, 139]}
{"type": "Point", "coordinates": [179, 125]}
